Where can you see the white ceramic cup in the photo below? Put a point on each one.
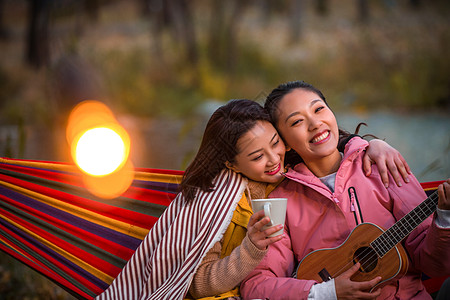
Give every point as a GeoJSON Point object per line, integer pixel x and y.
{"type": "Point", "coordinates": [274, 208]}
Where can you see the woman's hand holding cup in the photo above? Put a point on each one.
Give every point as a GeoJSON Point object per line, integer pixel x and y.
{"type": "Point", "coordinates": [259, 236]}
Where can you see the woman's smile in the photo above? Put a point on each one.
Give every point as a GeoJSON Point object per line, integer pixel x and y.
{"type": "Point", "coordinates": [321, 137]}
{"type": "Point", "coordinates": [274, 170]}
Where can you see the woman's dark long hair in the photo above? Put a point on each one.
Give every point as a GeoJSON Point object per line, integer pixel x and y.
{"type": "Point", "coordinates": [273, 101]}
{"type": "Point", "coordinates": [226, 125]}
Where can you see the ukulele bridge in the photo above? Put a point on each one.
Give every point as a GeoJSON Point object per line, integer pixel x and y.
{"type": "Point", "coordinates": [325, 275]}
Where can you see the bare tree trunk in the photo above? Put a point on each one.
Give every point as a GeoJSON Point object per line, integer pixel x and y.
{"type": "Point", "coordinates": [92, 8]}
{"type": "Point", "coordinates": [224, 24]}
{"type": "Point", "coordinates": [38, 45]}
{"type": "Point", "coordinates": [363, 11]}
{"type": "Point", "coordinates": [231, 35]}
{"type": "Point", "coordinates": [3, 32]}
{"type": "Point", "coordinates": [155, 12]}
{"type": "Point", "coordinates": [182, 19]}
{"type": "Point", "coordinates": [145, 7]}
{"type": "Point", "coordinates": [295, 20]}
{"type": "Point", "coordinates": [415, 3]}
{"type": "Point", "coordinates": [321, 7]}
{"type": "Point", "coordinates": [176, 16]}
{"type": "Point", "coordinates": [269, 8]}
{"type": "Point", "coordinates": [158, 11]}
{"type": "Point", "coordinates": [216, 27]}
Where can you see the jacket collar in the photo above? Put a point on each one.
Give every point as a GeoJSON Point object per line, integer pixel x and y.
{"type": "Point", "coordinates": [302, 174]}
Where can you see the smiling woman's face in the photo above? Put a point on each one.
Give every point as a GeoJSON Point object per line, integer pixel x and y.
{"type": "Point", "coordinates": [308, 125]}
{"type": "Point", "coordinates": [260, 154]}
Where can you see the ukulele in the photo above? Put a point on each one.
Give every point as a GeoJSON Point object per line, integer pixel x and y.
{"type": "Point", "coordinates": [379, 252]}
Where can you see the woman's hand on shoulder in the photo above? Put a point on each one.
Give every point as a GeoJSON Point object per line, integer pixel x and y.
{"type": "Point", "coordinates": [387, 159]}
{"type": "Point", "coordinates": [260, 238]}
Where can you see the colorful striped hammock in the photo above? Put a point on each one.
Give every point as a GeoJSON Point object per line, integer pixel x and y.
{"type": "Point", "coordinates": [51, 223]}
{"type": "Point", "coordinates": [55, 226]}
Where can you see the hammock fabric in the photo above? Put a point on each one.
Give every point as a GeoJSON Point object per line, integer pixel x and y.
{"type": "Point", "coordinates": [55, 226]}
{"type": "Point", "coordinates": [51, 223]}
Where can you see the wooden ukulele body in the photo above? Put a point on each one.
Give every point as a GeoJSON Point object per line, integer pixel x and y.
{"type": "Point", "coordinates": [322, 265]}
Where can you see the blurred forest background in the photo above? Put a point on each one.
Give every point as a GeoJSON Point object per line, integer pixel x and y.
{"type": "Point", "coordinates": [164, 66]}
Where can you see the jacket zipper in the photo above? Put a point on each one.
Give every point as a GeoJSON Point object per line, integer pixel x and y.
{"type": "Point", "coordinates": [354, 205]}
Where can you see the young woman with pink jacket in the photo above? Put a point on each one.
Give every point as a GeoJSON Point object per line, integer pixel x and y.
{"type": "Point", "coordinates": [328, 196]}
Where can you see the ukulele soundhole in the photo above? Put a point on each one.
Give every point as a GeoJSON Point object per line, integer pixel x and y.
{"type": "Point", "coordinates": [367, 257]}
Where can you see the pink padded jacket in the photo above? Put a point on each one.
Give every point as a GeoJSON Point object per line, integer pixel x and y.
{"type": "Point", "coordinates": [317, 218]}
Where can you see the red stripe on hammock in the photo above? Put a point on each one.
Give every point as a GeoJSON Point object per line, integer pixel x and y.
{"type": "Point", "coordinates": [141, 194]}
{"type": "Point", "coordinates": [87, 257]}
{"type": "Point", "coordinates": [100, 242]}
{"type": "Point", "coordinates": [147, 170]}
{"type": "Point", "coordinates": [19, 160]}
{"type": "Point", "coordinates": [431, 184]}
{"type": "Point", "coordinates": [160, 171]}
{"type": "Point", "coordinates": [149, 196]}
{"type": "Point", "coordinates": [116, 213]}
{"type": "Point", "coordinates": [44, 271]}
{"type": "Point", "coordinates": [63, 177]}
{"type": "Point", "coordinates": [43, 268]}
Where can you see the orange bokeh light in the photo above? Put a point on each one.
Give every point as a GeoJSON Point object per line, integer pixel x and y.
{"type": "Point", "coordinates": [111, 185]}
{"type": "Point", "coordinates": [86, 115]}
{"type": "Point", "coordinates": [100, 147]}
{"type": "Point", "coordinates": [100, 151]}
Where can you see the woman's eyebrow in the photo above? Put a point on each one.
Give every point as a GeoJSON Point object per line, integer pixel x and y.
{"type": "Point", "coordinates": [314, 102]}
{"type": "Point", "coordinates": [250, 154]}
{"type": "Point", "coordinates": [274, 136]}
{"type": "Point", "coordinates": [291, 115]}
{"type": "Point", "coordinates": [297, 113]}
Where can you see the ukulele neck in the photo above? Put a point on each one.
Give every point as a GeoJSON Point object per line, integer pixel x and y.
{"type": "Point", "coordinates": [397, 232]}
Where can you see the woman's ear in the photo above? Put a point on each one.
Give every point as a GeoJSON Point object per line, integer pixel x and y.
{"type": "Point", "coordinates": [231, 167]}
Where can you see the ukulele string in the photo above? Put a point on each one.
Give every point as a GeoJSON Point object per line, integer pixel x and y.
{"type": "Point", "coordinates": [369, 253]}
{"type": "Point", "coordinates": [351, 263]}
